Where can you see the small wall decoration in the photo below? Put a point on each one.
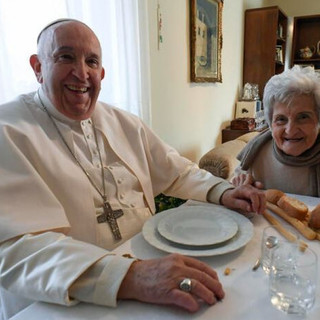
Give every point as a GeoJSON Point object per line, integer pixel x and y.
{"type": "Point", "coordinates": [206, 40]}
{"type": "Point", "coordinates": [159, 15]}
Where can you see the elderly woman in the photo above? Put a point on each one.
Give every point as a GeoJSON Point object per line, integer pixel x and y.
{"type": "Point", "coordinates": [287, 155]}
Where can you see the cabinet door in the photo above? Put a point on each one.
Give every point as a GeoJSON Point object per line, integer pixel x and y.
{"type": "Point", "coordinates": [260, 42]}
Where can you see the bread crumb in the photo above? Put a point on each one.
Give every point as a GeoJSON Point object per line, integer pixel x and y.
{"type": "Point", "coordinates": [227, 271]}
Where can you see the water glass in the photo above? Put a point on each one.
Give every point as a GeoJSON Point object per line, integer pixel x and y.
{"type": "Point", "coordinates": [292, 279]}
{"type": "Point", "coordinates": [271, 238]}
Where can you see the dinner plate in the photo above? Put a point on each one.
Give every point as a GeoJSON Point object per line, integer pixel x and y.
{"type": "Point", "coordinates": [242, 237]}
{"type": "Point", "coordinates": [197, 226]}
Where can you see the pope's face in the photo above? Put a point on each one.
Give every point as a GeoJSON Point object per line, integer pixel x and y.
{"type": "Point", "coordinates": [295, 128]}
{"type": "Point", "coordinates": [70, 70]}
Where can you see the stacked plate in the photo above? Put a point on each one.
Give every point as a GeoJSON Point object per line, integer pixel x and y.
{"type": "Point", "coordinates": [198, 230]}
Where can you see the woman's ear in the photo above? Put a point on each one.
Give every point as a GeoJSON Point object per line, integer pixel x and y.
{"type": "Point", "coordinates": [36, 66]}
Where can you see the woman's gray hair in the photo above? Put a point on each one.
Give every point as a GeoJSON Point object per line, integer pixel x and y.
{"type": "Point", "coordinates": [289, 84]}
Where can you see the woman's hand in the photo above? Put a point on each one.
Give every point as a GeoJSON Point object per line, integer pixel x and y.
{"type": "Point", "coordinates": [245, 178]}
{"type": "Point", "coordinates": [157, 281]}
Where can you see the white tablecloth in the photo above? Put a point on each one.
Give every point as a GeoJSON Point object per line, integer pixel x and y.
{"type": "Point", "coordinates": [246, 291]}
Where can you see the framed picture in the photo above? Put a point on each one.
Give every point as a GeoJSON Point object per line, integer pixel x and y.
{"type": "Point", "coordinates": [206, 40]}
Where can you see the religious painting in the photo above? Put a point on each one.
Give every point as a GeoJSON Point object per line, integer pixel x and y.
{"type": "Point", "coordinates": [206, 40]}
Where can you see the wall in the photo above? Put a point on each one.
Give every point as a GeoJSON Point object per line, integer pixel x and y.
{"type": "Point", "coordinates": [186, 115]}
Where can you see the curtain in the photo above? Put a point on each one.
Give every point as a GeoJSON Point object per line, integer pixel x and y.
{"type": "Point", "coordinates": [121, 26]}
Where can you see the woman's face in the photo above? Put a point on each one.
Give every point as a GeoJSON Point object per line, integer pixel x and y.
{"type": "Point", "coordinates": [295, 127]}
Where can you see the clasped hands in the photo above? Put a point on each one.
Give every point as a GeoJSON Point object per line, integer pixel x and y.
{"type": "Point", "coordinates": [247, 195]}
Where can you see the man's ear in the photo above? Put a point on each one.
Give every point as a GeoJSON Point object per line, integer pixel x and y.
{"type": "Point", "coordinates": [102, 73]}
{"type": "Point", "coordinates": [36, 66]}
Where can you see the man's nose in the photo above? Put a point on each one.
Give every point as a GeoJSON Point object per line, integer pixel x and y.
{"type": "Point", "coordinates": [81, 70]}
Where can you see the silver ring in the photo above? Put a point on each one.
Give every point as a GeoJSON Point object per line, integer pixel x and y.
{"type": "Point", "coordinates": [185, 285]}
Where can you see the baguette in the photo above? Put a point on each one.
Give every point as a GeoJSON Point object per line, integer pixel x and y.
{"type": "Point", "coordinates": [303, 229]}
{"type": "Point", "coordinates": [286, 233]}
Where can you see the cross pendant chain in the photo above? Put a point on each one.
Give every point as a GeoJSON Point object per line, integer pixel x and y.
{"type": "Point", "coordinates": [111, 216]}
{"type": "Point", "coordinates": [108, 214]}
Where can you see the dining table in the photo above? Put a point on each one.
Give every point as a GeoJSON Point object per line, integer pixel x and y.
{"type": "Point", "coordinates": [246, 290]}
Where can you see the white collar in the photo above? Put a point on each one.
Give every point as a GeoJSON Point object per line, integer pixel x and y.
{"type": "Point", "coordinates": [41, 97]}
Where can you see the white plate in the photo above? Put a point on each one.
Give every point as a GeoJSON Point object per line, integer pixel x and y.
{"type": "Point", "coordinates": [243, 236]}
{"type": "Point", "coordinates": [197, 226]}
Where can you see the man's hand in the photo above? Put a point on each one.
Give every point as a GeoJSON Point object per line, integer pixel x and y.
{"type": "Point", "coordinates": [245, 178]}
{"type": "Point", "coordinates": [245, 198]}
{"type": "Point", "coordinates": [157, 281]}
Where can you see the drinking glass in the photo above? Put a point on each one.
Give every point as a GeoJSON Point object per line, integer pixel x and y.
{"type": "Point", "coordinates": [271, 238]}
{"type": "Point", "coordinates": [292, 279]}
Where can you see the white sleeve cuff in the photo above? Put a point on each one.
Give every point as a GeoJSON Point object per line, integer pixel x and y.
{"type": "Point", "coordinates": [101, 282]}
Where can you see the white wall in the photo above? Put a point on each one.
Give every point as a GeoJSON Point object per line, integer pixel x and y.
{"type": "Point", "coordinates": [186, 115]}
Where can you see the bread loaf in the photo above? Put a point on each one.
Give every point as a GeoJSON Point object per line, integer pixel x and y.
{"type": "Point", "coordinates": [294, 207]}
{"type": "Point", "coordinates": [273, 195]}
{"type": "Point", "coordinates": [314, 220]}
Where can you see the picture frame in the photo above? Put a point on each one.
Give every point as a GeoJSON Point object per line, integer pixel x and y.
{"type": "Point", "coordinates": [206, 40]}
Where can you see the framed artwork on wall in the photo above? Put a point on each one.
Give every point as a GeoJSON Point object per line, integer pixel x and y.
{"type": "Point", "coordinates": [206, 40]}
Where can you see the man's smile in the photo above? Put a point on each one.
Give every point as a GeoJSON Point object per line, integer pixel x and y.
{"type": "Point", "coordinates": [77, 88]}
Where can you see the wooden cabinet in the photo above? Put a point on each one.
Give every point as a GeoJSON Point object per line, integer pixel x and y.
{"type": "Point", "coordinates": [306, 33]}
{"type": "Point", "coordinates": [264, 45]}
{"type": "Point", "coordinates": [231, 134]}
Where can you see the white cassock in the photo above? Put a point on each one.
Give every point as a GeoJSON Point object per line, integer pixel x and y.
{"type": "Point", "coordinates": [52, 248]}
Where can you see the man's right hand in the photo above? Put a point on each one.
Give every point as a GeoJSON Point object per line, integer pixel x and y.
{"type": "Point", "coordinates": [157, 281]}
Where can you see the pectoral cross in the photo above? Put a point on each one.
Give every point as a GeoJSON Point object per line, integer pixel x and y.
{"type": "Point", "coordinates": [111, 217]}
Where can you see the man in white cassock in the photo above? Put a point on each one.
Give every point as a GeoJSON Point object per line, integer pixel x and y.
{"type": "Point", "coordinates": [78, 178]}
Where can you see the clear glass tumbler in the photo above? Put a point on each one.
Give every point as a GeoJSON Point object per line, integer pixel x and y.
{"type": "Point", "coordinates": [293, 278]}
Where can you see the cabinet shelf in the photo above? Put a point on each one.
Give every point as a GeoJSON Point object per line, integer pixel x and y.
{"type": "Point", "coordinates": [306, 33]}
{"type": "Point", "coordinates": [281, 40]}
{"type": "Point", "coordinates": [306, 61]}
